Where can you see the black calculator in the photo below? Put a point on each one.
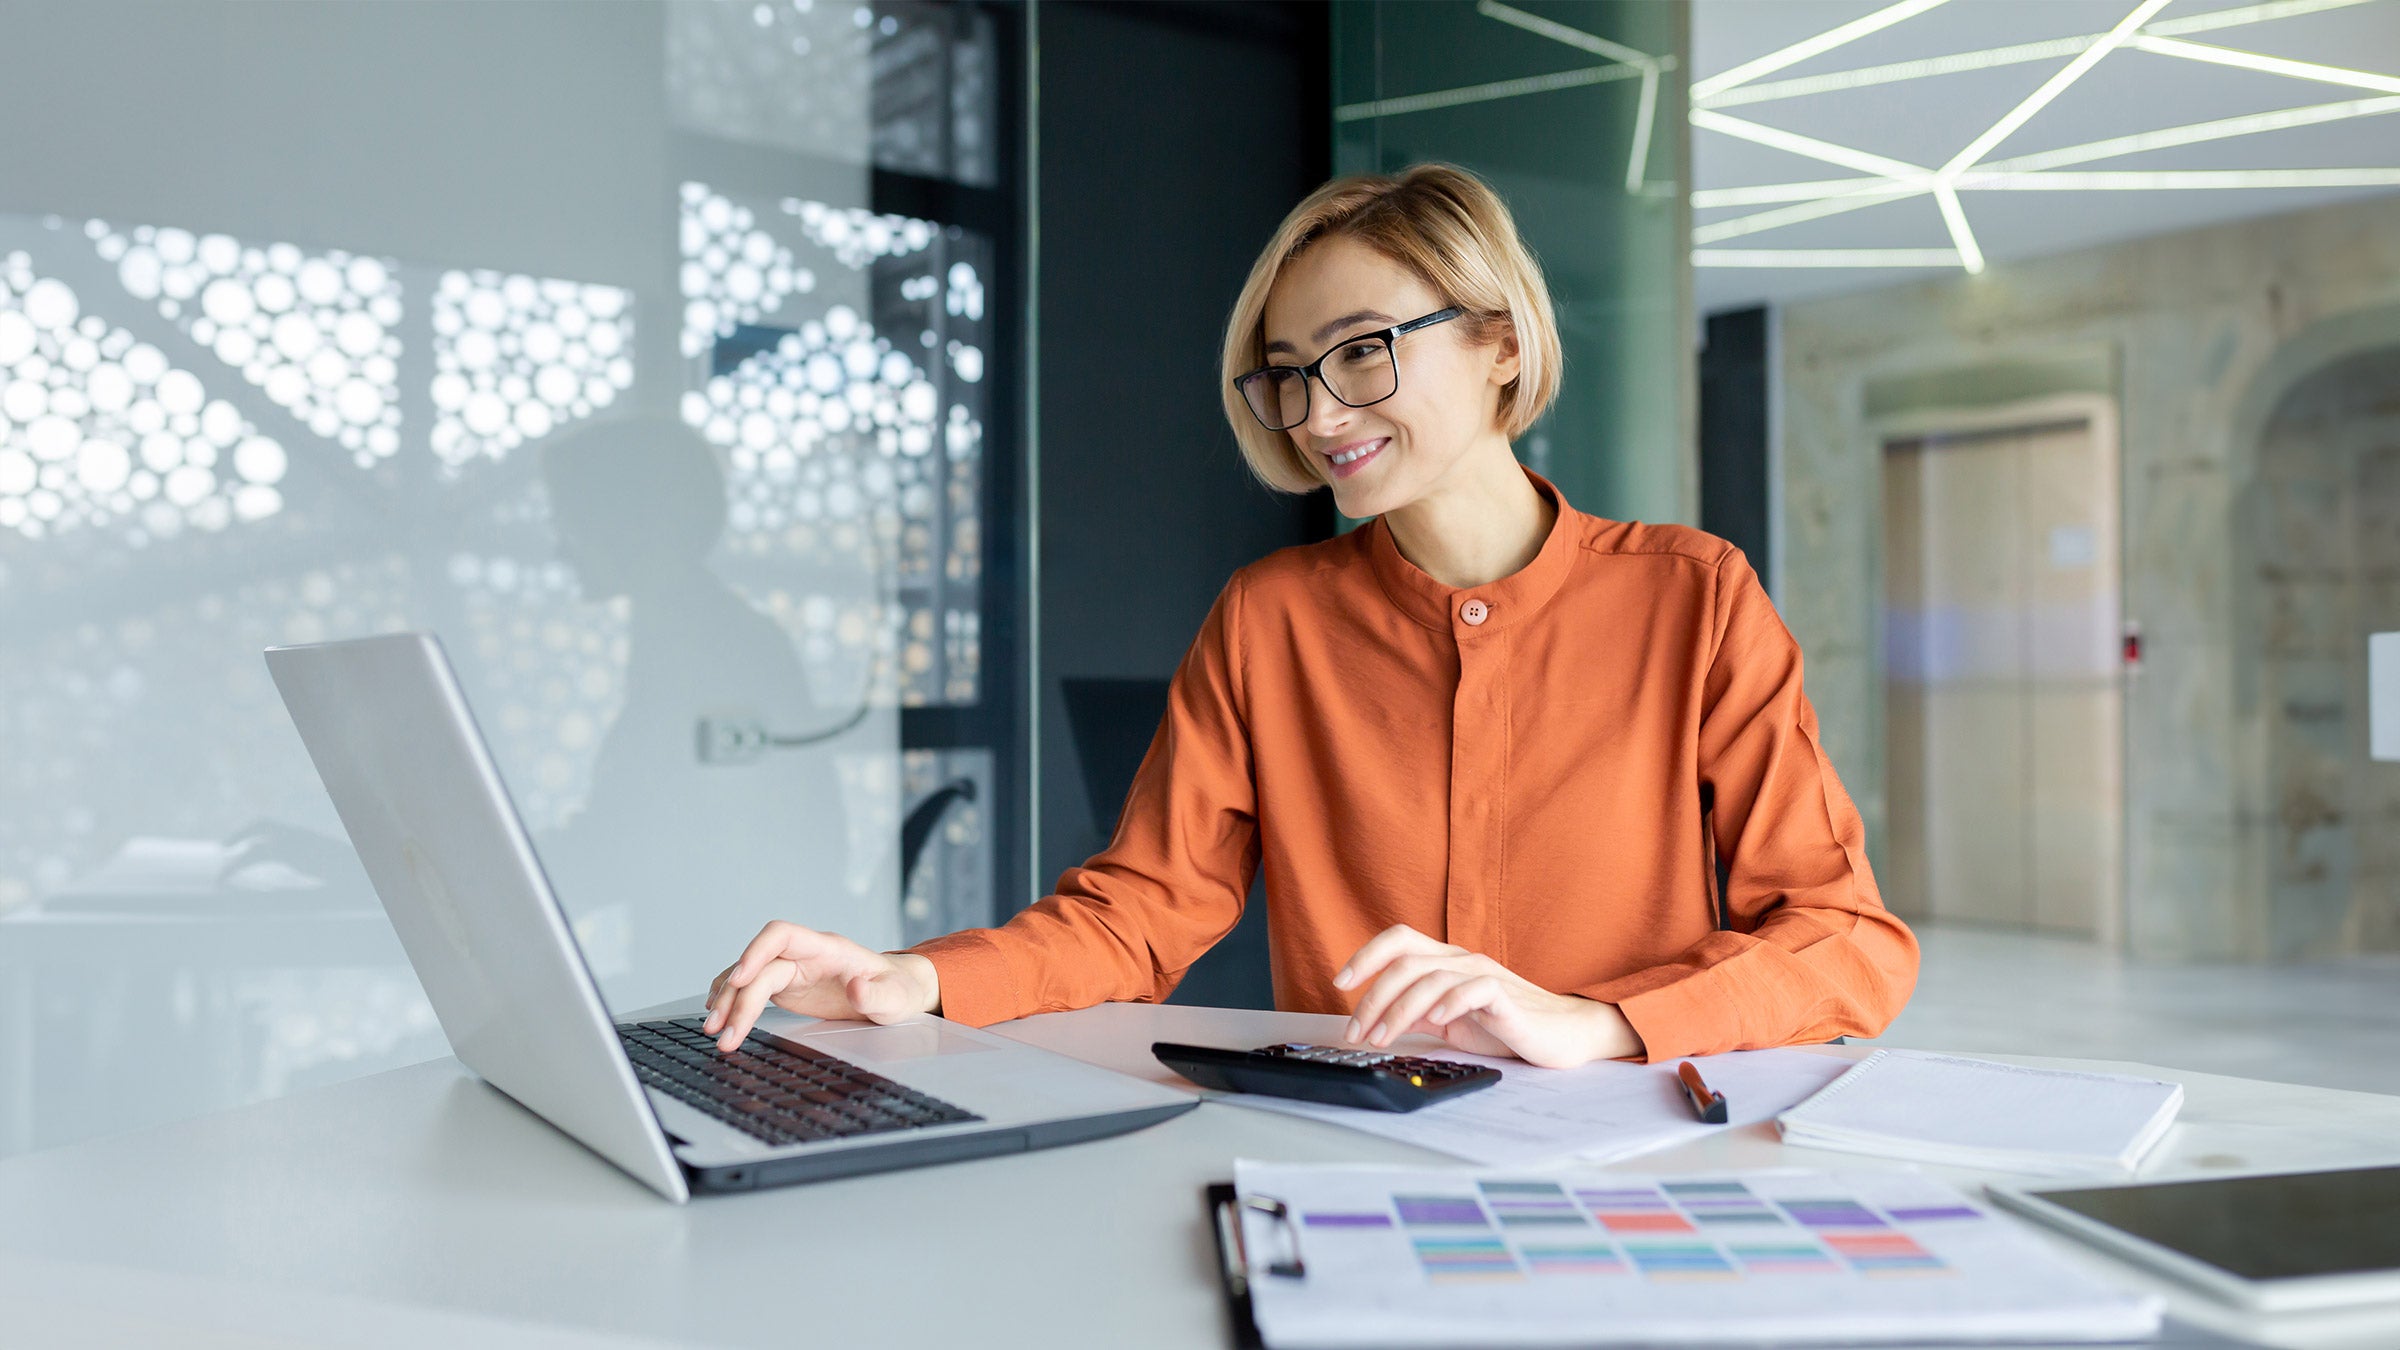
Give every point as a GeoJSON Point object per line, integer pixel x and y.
{"type": "Point", "coordinates": [1326, 1073]}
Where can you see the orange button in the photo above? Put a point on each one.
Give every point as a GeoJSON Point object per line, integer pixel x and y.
{"type": "Point", "coordinates": [1474, 611]}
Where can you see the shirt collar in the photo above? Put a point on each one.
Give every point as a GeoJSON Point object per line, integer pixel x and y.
{"type": "Point", "coordinates": [1512, 599]}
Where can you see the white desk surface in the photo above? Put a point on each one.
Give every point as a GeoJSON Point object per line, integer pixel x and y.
{"type": "Point", "coordinates": [421, 1207]}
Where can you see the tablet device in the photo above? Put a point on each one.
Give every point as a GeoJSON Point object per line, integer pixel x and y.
{"type": "Point", "coordinates": [2268, 1243]}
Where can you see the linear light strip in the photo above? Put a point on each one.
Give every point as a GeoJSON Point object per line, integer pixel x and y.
{"type": "Point", "coordinates": [2195, 133]}
{"type": "Point", "coordinates": [1849, 194]}
{"type": "Point", "coordinates": [1954, 218]}
{"type": "Point", "coordinates": [2272, 65]}
{"type": "Point", "coordinates": [2164, 138]}
{"type": "Point", "coordinates": [1815, 46]}
{"type": "Point", "coordinates": [1779, 139]}
{"type": "Point", "coordinates": [1922, 68]}
{"type": "Point", "coordinates": [1559, 32]}
{"type": "Point", "coordinates": [1758, 194]}
{"type": "Point", "coordinates": [2177, 180]}
{"type": "Point", "coordinates": [2052, 87]}
{"type": "Point", "coordinates": [1824, 257]}
{"type": "Point", "coordinates": [1637, 165]}
{"type": "Point", "coordinates": [1811, 210]}
{"type": "Point", "coordinates": [2013, 54]}
{"type": "Point", "coordinates": [1895, 180]}
{"type": "Point", "coordinates": [1484, 93]}
{"type": "Point", "coordinates": [2245, 14]}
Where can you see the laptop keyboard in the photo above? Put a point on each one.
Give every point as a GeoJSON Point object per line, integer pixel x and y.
{"type": "Point", "coordinates": [775, 1090]}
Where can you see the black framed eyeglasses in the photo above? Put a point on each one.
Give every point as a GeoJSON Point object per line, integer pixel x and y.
{"type": "Point", "coordinates": [1358, 371]}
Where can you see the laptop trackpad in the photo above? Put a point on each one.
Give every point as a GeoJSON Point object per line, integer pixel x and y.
{"type": "Point", "coordinates": [912, 1040]}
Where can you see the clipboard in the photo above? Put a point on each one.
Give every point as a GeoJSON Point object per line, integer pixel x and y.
{"type": "Point", "coordinates": [1223, 1207]}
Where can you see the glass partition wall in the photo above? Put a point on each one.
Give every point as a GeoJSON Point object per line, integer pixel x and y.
{"type": "Point", "coordinates": [650, 355]}
{"type": "Point", "coordinates": [1574, 110]}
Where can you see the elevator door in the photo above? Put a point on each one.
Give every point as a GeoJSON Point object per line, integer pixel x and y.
{"type": "Point", "coordinates": [2002, 694]}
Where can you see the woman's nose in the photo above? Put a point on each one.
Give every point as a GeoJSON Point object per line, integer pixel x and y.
{"type": "Point", "coordinates": [1327, 416]}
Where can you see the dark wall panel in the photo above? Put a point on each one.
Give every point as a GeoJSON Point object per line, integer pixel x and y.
{"type": "Point", "coordinates": [1733, 433]}
{"type": "Point", "coordinates": [1174, 137]}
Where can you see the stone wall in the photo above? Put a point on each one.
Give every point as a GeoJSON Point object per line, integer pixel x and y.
{"type": "Point", "coordinates": [2203, 335]}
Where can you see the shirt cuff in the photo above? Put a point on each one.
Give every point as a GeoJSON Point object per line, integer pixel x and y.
{"type": "Point", "coordinates": [978, 984]}
{"type": "Point", "coordinates": [1682, 1015]}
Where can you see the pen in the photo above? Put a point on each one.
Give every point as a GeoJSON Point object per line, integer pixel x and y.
{"type": "Point", "coordinates": [1709, 1106]}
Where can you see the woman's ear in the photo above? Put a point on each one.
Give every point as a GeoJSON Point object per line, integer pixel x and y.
{"type": "Point", "coordinates": [1507, 361]}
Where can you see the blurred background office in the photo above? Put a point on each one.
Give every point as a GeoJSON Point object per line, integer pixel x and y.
{"type": "Point", "coordinates": [797, 419]}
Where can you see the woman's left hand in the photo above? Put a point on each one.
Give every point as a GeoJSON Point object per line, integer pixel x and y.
{"type": "Point", "coordinates": [1414, 983]}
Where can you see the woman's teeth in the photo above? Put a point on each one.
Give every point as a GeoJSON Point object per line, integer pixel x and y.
{"type": "Point", "coordinates": [1360, 452]}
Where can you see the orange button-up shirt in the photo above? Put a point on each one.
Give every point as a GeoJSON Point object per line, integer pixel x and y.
{"type": "Point", "coordinates": [1544, 769]}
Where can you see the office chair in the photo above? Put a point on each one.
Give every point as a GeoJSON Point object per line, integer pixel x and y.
{"type": "Point", "coordinates": [1113, 721]}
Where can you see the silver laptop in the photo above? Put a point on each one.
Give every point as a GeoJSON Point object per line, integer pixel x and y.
{"type": "Point", "coordinates": [392, 737]}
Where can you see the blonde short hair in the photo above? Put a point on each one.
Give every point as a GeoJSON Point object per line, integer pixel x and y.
{"type": "Point", "coordinates": [1450, 229]}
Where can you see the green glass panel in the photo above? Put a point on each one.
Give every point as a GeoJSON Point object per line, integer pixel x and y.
{"type": "Point", "coordinates": [1546, 100]}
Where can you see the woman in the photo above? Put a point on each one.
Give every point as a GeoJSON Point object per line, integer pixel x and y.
{"type": "Point", "coordinates": [1488, 748]}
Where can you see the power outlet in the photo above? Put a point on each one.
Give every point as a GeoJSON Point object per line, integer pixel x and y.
{"type": "Point", "coordinates": [730, 740]}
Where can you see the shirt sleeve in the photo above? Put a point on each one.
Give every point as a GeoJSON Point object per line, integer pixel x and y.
{"type": "Point", "coordinates": [1808, 951]}
{"type": "Point", "coordinates": [1126, 924]}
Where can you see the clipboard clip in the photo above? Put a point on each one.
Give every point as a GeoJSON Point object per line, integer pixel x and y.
{"type": "Point", "coordinates": [1233, 1243]}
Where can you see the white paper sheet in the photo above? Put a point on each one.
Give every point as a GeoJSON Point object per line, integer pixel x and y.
{"type": "Point", "coordinates": [1967, 1112]}
{"type": "Point", "coordinates": [1598, 1113]}
{"type": "Point", "coordinates": [1441, 1256]}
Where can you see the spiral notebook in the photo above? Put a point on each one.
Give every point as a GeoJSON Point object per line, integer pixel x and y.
{"type": "Point", "coordinates": [1962, 1112]}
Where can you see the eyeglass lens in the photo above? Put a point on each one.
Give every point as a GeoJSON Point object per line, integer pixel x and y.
{"type": "Point", "coordinates": [1358, 374]}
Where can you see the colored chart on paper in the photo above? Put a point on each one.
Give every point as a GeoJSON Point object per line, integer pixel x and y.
{"type": "Point", "coordinates": [1427, 1258]}
{"type": "Point", "coordinates": [1497, 1229]}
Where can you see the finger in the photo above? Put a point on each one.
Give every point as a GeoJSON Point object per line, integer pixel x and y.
{"type": "Point", "coordinates": [768, 945]}
{"type": "Point", "coordinates": [1468, 1033]}
{"type": "Point", "coordinates": [1397, 975]}
{"type": "Point", "coordinates": [1378, 949]}
{"type": "Point", "coordinates": [785, 941]}
{"type": "Point", "coordinates": [1412, 1004]}
{"type": "Point", "coordinates": [748, 1002]}
{"type": "Point", "coordinates": [716, 996]}
{"type": "Point", "coordinates": [1469, 995]}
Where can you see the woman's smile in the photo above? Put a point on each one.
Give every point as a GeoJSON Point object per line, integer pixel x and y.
{"type": "Point", "coordinates": [1354, 456]}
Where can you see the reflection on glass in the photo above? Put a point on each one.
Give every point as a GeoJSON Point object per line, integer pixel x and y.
{"type": "Point", "coordinates": [722, 471]}
{"type": "Point", "coordinates": [516, 356]}
{"type": "Point", "coordinates": [846, 351]}
{"type": "Point", "coordinates": [184, 483]}
{"type": "Point", "coordinates": [98, 428]}
{"type": "Point", "coordinates": [670, 860]}
{"type": "Point", "coordinates": [907, 85]}
{"type": "Point", "coordinates": [315, 330]}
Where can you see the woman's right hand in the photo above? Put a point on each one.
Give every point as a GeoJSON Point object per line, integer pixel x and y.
{"type": "Point", "coordinates": [816, 974]}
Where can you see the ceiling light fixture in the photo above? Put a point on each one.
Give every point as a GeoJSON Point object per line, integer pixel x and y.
{"type": "Point", "coordinates": [1484, 93]}
{"type": "Point", "coordinates": [2014, 54]}
{"type": "Point", "coordinates": [2178, 180]}
{"type": "Point", "coordinates": [1824, 257]}
{"type": "Point", "coordinates": [2195, 133]}
{"type": "Point", "coordinates": [1559, 32]}
{"type": "Point", "coordinates": [1953, 215]}
{"type": "Point", "coordinates": [1704, 198]}
{"type": "Point", "coordinates": [1777, 138]}
{"type": "Point", "coordinates": [2272, 65]}
{"type": "Point", "coordinates": [2050, 89]}
{"type": "Point", "coordinates": [1891, 180]}
{"type": "Point", "coordinates": [1810, 210]}
{"type": "Point", "coordinates": [1645, 113]}
{"type": "Point", "coordinates": [1815, 46]}
{"type": "Point", "coordinates": [1954, 218]}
